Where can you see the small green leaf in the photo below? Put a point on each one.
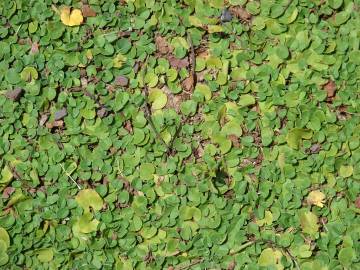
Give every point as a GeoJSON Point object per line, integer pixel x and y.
{"type": "Point", "coordinates": [147, 171]}
{"type": "Point", "coordinates": [347, 256]}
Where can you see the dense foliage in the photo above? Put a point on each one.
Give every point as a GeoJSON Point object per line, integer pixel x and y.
{"type": "Point", "coordinates": [194, 134]}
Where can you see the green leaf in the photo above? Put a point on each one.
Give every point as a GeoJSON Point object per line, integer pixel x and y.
{"type": "Point", "coordinates": [188, 107]}
{"type": "Point", "coordinates": [4, 258]}
{"type": "Point", "coordinates": [341, 18]}
{"type": "Point", "coordinates": [147, 171]}
{"type": "Point", "coordinates": [335, 4]}
{"type": "Point", "coordinates": [12, 76]}
{"type": "Point", "coordinates": [347, 256]}
{"type": "Point", "coordinates": [120, 100]}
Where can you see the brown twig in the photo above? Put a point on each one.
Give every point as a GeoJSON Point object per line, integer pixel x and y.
{"type": "Point", "coordinates": [147, 108]}
{"type": "Point", "coordinates": [194, 262]}
{"type": "Point", "coordinates": [192, 75]}
{"type": "Point", "coordinates": [192, 61]}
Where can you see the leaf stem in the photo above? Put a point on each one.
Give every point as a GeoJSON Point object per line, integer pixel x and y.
{"type": "Point", "coordinates": [68, 175]}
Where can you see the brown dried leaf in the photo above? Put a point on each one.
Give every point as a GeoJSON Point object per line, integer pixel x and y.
{"type": "Point", "coordinates": [315, 148]}
{"type": "Point", "coordinates": [162, 45]}
{"type": "Point", "coordinates": [240, 13]}
{"type": "Point", "coordinates": [357, 202]}
{"type": "Point", "coordinates": [188, 84]}
{"type": "Point", "coordinates": [121, 80]}
{"type": "Point", "coordinates": [59, 123]}
{"type": "Point", "coordinates": [87, 11]}
{"type": "Point", "coordinates": [60, 114]}
{"type": "Point", "coordinates": [102, 112]}
{"type": "Point", "coordinates": [7, 192]}
{"type": "Point", "coordinates": [178, 63]}
{"type": "Point", "coordinates": [43, 119]}
{"type": "Point", "coordinates": [34, 48]}
{"type": "Point", "coordinates": [231, 265]}
{"type": "Point", "coordinates": [234, 139]}
{"type": "Point", "coordinates": [14, 94]}
{"type": "Point", "coordinates": [330, 88]}
{"type": "Point", "coordinates": [128, 126]}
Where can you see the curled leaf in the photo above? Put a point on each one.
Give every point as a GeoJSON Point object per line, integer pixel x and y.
{"type": "Point", "coordinates": [317, 198]}
{"type": "Point", "coordinates": [71, 17]}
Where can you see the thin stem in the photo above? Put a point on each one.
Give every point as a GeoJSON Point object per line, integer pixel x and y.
{"type": "Point", "coordinates": [194, 262]}
{"type": "Point", "coordinates": [68, 175]}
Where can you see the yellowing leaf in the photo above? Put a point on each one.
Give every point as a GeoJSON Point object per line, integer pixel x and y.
{"type": "Point", "coordinates": [89, 198]}
{"type": "Point", "coordinates": [346, 171]}
{"type": "Point", "coordinates": [119, 60]}
{"type": "Point", "coordinates": [295, 136]}
{"type": "Point", "coordinates": [195, 21]}
{"type": "Point", "coordinates": [86, 224]}
{"type": "Point", "coordinates": [71, 17]}
{"type": "Point", "coordinates": [267, 220]}
{"type": "Point", "coordinates": [215, 28]}
{"type": "Point", "coordinates": [271, 257]}
{"type": "Point", "coordinates": [4, 236]}
{"type": "Point", "coordinates": [309, 222]}
{"type": "Point", "coordinates": [157, 98]}
{"type": "Point", "coordinates": [6, 175]}
{"type": "Point", "coordinates": [316, 197]}
{"type": "Point", "coordinates": [46, 255]}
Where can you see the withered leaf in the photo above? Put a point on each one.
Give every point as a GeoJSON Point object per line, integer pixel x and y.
{"type": "Point", "coordinates": [87, 11]}
{"type": "Point", "coordinates": [121, 80]}
{"type": "Point", "coordinates": [14, 94]}
{"type": "Point", "coordinates": [330, 88]}
{"type": "Point", "coordinates": [60, 114]}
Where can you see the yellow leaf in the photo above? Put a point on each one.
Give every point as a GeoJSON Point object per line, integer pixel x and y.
{"type": "Point", "coordinates": [316, 197]}
{"type": "Point", "coordinates": [71, 18]}
{"type": "Point", "coordinates": [195, 21]}
{"type": "Point", "coordinates": [119, 60]}
{"type": "Point", "coordinates": [215, 29]}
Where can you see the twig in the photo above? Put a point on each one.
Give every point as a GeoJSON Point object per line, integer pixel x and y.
{"type": "Point", "coordinates": [192, 61]}
{"type": "Point", "coordinates": [17, 31]}
{"type": "Point", "coordinates": [148, 113]}
{"type": "Point", "coordinates": [194, 262]}
{"type": "Point", "coordinates": [292, 258]}
{"type": "Point", "coordinates": [192, 75]}
{"type": "Point", "coordinates": [242, 247]}
{"type": "Point", "coordinates": [68, 175]}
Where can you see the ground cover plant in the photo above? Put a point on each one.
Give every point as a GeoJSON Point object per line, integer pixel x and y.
{"type": "Point", "coordinates": [194, 134]}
